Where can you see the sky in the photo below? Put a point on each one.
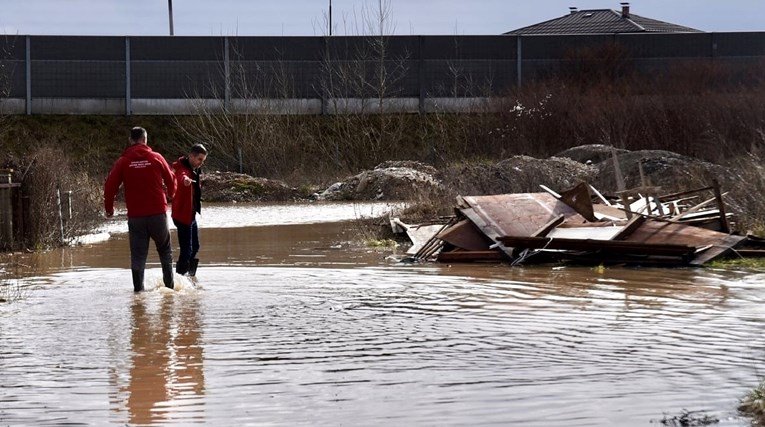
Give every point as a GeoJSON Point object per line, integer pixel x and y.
{"type": "Point", "coordinates": [349, 17]}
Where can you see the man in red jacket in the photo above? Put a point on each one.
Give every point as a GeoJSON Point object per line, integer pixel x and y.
{"type": "Point", "coordinates": [148, 182]}
{"type": "Point", "coordinates": [186, 204]}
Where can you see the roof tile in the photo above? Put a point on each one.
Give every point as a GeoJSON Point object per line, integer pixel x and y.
{"type": "Point", "coordinates": [600, 21]}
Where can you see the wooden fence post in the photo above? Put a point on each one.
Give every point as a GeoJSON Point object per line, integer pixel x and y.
{"type": "Point", "coordinates": [6, 210]}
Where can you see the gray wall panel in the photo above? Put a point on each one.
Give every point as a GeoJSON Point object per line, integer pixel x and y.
{"type": "Point", "coordinates": [13, 78]}
{"type": "Point", "coordinates": [739, 44]}
{"type": "Point", "coordinates": [176, 48]}
{"type": "Point", "coordinates": [12, 47]}
{"type": "Point", "coordinates": [276, 48]}
{"type": "Point", "coordinates": [78, 48]}
{"type": "Point", "coordinates": [556, 47]}
{"type": "Point", "coordinates": [176, 79]}
{"type": "Point", "coordinates": [469, 47]}
{"type": "Point", "coordinates": [78, 79]}
{"type": "Point", "coordinates": [274, 79]}
{"type": "Point", "coordinates": [667, 45]}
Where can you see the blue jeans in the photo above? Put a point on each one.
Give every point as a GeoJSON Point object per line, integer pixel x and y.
{"type": "Point", "coordinates": [188, 240]}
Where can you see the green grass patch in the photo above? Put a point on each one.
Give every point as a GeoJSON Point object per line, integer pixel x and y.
{"type": "Point", "coordinates": [382, 243]}
{"type": "Point", "coordinates": [248, 187]}
{"type": "Point", "coordinates": [733, 263]}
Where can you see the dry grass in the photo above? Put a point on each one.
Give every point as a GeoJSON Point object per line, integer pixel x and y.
{"type": "Point", "coordinates": [47, 176]}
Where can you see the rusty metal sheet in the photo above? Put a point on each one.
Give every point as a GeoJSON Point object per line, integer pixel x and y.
{"type": "Point", "coordinates": [519, 214]}
{"type": "Point", "coordinates": [580, 200]}
{"type": "Point", "coordinates": [465, 235]}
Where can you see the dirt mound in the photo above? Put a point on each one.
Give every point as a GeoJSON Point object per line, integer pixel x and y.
{"type": "Point", "coordinates": [387, 181]}
{"type": "Point", "coordinates": [517, 174]}
{"type": "Point", "coordinates": [591, 153]}
{"type": "Point", "coordinates": [670, 171]}
{"type": "Point", "coordinates": [411, 180]}
{"type": "Point", "coordinates": [236, 187]}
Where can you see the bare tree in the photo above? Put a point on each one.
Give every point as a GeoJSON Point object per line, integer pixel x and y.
{"type": "Point", "coordinates": [7, 44]}
{"type": "Point", "coordinates": [251, 129]}
{"type": "Point", "coordinates": [358, 85]}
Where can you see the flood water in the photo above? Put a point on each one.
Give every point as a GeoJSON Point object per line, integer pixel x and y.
{"type": "Point", "coordinates": [298, 325]}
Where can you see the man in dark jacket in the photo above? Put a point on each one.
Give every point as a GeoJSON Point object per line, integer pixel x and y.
{"type": "Point", "coordinates": [148, 182]}
{"type": "Point", "coordinates": [186, 204]}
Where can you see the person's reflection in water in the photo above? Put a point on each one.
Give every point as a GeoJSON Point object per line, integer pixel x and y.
{"type": "Point", "coordinates": [167, 359]}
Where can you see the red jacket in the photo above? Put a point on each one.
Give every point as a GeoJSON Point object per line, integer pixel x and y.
{"type": "Point", "coordinates": [187, 201]}
{"type": "Point", "coordinates": [147, 179]}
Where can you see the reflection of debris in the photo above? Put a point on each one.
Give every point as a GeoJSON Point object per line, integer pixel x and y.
{"type": "Point", "coordinates": [642, 227]}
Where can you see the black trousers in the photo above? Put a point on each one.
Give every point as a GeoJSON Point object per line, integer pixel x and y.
{"type": "Point", "coordinates": [143, 229]}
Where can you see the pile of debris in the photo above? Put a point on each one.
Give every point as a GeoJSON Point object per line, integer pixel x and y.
{"type": "Point", "coordinates": [635, 227]}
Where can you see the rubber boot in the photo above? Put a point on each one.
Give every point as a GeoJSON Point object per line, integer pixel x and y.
{"type": "Point", "coordinates": [167, 275]}
{"type": "Point", "coordinates": [193, 264]}
{"type": "Point", "coordinates": [182, 267]}
{"type": "Point", "coordinates": [137, 280]}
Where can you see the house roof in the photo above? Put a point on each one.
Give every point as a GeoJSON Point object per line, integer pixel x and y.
{"type": "Point", "coordinates": [602, 21]}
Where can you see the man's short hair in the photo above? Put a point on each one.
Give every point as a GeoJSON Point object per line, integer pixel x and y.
{"type": "Point", "coordinates": [137, 133]}
{"type": "Point", "coordinates": [198, 149]}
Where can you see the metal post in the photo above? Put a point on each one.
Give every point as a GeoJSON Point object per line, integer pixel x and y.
{"type": "Point", "coordinates": [518, 60]}
{"type": "Point", "coordinates": [421, 74]}
{"type": "Point", "coordinates": [170, 14]}
{"type": "Point", "coordinates": [6, 210]}
{"type": "Point", "coordinates": [68, 200]}
{"type": "Point", "coordinates": [128, 99]}
{"type": "Point", "coordinates": [29, 74]}
{"type": "Point", "coordinates": [60, 215]}
{"type": "Point", "coordinates": [330, 17]}
{"type": "Point", "coordinates": [227, 75]}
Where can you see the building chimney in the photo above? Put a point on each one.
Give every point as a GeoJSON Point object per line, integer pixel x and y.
{"type": "Point", "coordinates": [572, 9]}
{"type": "Point", "coordinates": [625, 9]}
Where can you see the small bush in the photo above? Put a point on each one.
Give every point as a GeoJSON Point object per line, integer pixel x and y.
{"type": "Point", "coordinates": [47, 175]}
{"type": "Point", "coordinates": [753, 405]}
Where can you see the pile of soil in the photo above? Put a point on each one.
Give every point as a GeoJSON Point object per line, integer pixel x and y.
{"type": "Point", "coordinates": [236, 187]}
{"type": "Point", "coordinates": [670, 172]}
{"type": "Point", "coordinates": [518, 174]}
{"type": "Point", "coordinates": [392, 180]}
{"type": "Point", "coordinates": [411, 180]}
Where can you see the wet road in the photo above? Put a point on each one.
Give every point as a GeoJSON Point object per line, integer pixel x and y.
{"type": "Point", "coordinates": [298, 325]}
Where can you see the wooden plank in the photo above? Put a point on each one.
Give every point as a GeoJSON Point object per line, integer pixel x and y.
{"type": "Point", "coordinates": [751, 253]}
{"type": "Point", "coordinates": [724, 227]}
{"type": "Point", "coordinates": [661, 232]}
{"type": "Point", "coordinates": [613, 246]}
{"type": "Point", "coordinates": [631, 226]}
{"type": "Point", "coordinates": [470, 256]}
{"type": "Point", "coordinates": [683, 193]}
{"type": "Point", "coordinates": [464, 234]}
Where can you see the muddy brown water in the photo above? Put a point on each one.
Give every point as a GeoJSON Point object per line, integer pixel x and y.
{"type": "Point", "coordinates": [294, 324]}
